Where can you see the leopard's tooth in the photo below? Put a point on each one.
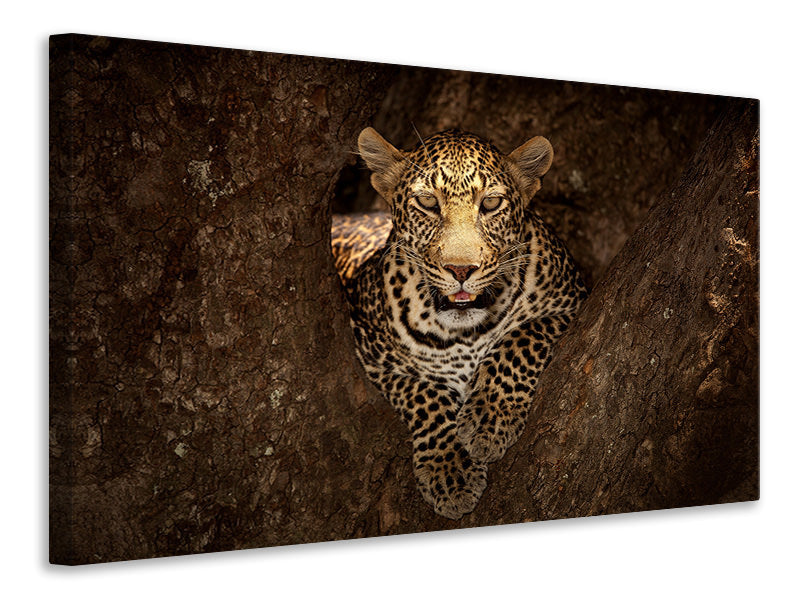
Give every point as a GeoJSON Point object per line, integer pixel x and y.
{"type": "Point", "coordinates": [452, 297]}
{"type": "Point", "coordinates": [472, 297]}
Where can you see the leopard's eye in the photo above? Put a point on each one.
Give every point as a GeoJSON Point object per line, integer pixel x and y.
{"type": "Point", "coordinates": [491, 203]}
{"type": "Point", "coordinates": [427, 201]}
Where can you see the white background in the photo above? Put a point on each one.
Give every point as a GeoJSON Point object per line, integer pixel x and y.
{"type": "Point", "coordinates": [736, 48]}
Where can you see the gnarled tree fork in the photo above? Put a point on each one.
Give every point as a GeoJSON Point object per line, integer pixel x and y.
{"type": "Point", "coordinates": [204, 391]}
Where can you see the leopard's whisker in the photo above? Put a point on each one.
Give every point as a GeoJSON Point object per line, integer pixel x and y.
{"type": "Point", "coordinates": [421, 141]}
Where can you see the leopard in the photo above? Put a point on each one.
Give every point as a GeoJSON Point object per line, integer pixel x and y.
{"type": "Point", "coordinates": [457, 295]}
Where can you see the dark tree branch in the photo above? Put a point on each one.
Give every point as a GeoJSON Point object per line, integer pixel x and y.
{"type": "Point", "coordinates": [652, 397]}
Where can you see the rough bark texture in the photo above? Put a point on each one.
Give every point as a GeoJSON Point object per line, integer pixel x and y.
{"type": "Point", "coordinates": [204, 391]}
{"type": "Point", "coordinates": [651, 400]}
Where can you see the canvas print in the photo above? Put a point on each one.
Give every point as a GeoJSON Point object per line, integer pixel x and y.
{"type": "Point", "coordinates": [298, 299]}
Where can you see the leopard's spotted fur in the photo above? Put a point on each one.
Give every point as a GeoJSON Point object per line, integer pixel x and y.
{"type": "Point", "coordinates": [355, 238]}
{"type": "Point", "coordinates": [456, 316]}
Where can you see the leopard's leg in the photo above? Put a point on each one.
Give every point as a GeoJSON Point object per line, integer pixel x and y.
{"type": "Point", "coordinates": [495, 412]}
{"type": "Point", "coordinates": [448, 478]}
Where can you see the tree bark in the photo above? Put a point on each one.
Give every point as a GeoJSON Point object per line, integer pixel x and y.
{"type": "Point", "coordinates": [201, 395]}
{"type": "Point", "coordinates": [651, 400]}
{"type": "Point", "coordinates": [203, 386]}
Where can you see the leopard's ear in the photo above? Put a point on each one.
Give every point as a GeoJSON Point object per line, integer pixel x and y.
{"type": "Point", "coordinates": [384, 160]}
{"type": "Point", "coordinates": [533, 159]}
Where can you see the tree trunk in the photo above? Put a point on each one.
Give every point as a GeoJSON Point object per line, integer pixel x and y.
{"type": "Point", "coordinates": [203, 386]}
{"type": "Point", "coordinates": [203, 395]}
{"type": "Point", "coordinates": [651, 400]}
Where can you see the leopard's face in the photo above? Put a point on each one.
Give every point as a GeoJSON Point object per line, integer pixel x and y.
{"type": "Point", "coordinates": [459, 215]}
{"type": "Point", "coordinates": [458, 212]}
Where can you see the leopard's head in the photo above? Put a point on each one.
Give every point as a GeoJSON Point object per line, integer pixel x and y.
{"type": "Point", "coordinates": [457, 207]}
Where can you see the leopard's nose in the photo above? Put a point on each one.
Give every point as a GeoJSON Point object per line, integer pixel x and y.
{"type": "Point", "coordinates": [461, 272]}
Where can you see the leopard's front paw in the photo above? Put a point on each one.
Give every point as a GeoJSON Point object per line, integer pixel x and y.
{"type": "Point", "coordinates": [486, 436]}
{"type": "Point", "coordinates": [450, 480]}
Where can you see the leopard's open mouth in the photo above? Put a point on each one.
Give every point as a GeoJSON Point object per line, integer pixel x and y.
{"type": "Point", "coordinates": [461, 300]}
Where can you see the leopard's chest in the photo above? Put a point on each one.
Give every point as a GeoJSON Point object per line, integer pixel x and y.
{"type": "Point", "coordinates": [455, 365]}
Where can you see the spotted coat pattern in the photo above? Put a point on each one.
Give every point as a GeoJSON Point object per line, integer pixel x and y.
{"type": "Point", "coordinates": [456, 309]}
{"type": "Point", "coordinates": [355, 238]}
